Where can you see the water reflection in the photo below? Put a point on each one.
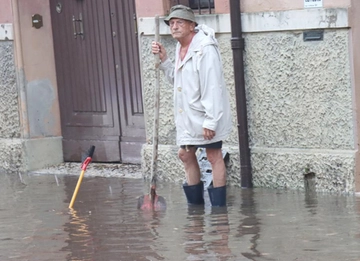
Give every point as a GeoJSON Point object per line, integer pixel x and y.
{"type": "Point", "coordinates": [250, 224]}
{"type": "Point", "coordinates": [79, 233]}
{"type": "Point", "coordinates": [258, 224]}
{"type": "Point", "coordinates": [220, 231]}
{"type": "Point", "coordinates": [28, 221]}
{"type": "Point", "coordinates": [207, 233]}
{"type": "Point", "coordinates": [105, 226]}
{"type": "Point", "coordinates": [357, 210]}
{"type": "Point", "coordinates": [194, 232]}
{"type": "Point", "coordinates": [311, 202]}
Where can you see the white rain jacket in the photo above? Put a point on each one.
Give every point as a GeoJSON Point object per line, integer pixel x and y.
{"type": "Point", "coordinates": [200, 94]}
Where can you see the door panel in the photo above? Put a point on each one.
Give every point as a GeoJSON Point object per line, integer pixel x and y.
{"type": "Point", "coordinates": [126, 59]}
{"type": "Point", "coordinates": [98, 81]}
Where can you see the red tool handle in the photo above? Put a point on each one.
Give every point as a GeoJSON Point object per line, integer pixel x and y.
{"type": "Point", "coordinates": [88, 158]}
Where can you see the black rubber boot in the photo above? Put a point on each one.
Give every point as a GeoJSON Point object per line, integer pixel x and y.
{"type": "Point", "coordinates": [217, 196]}
{"type": "Point", "coordinates": [194, 194]}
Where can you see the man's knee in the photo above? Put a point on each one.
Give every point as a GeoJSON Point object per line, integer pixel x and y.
{"type": "Point", "coordinates": [214, 155]}
{"type": "Point", "coordinates": [186, 156]}
{"type": "Point", "coordinates": [181, 154]}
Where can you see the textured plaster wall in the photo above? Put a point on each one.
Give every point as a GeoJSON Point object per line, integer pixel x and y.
{"type": "Point", "coordinates": [299, 95]}
{"type": "Point", "coordinates": [10, 145]}
{"type": "Point", "coordinates": [355, 56]}
{"type": "Point", "coordinates": [9, 115]}
{"type": "Point", "coordinates": [299, 111]}
{"type": "Point", "coordinates": [285, 169]}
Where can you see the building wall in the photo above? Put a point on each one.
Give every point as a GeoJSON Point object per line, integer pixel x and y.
{"type": "Point", "coordinates": [9, 110]}
{"type": "Point", "coordinates": [10, 145]}
{"type": "Point", "coordinates": [5, 12]}
{"type": "Point", "coordinates": [254, 6]}
{"type": "Point", "coordinates": [300, 96]}
{"type": "Point", "coordinates": [300, 109]}
{"type": "Point", "coordinates": [162, 7]}
{"type": "Point", "coordinates": [10, 131]}
{"type": "Point", "coordinates": [354, 55]}
{"type": "Point", "coordinates": [9, 116]}
{"type": "Point", "coordinates": [30, 134]}
{"type": "Point", "coordinates": [39, 64]}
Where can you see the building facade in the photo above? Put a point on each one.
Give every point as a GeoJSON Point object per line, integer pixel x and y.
{"type": "Point", "coordinates": [300, 75]}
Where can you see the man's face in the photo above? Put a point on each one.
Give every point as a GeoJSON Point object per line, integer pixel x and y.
{"type": "Point", "coordinates": [180, 28]}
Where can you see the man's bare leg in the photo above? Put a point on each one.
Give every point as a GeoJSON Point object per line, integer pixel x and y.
{"type": "Point", "coordinates": [191, 165]}
{"type": "Point", "coordinates": [194, 187]}
{"type": "Point", "coordinates": [217, 192]}
{"type": "Point", "coordinates": [216, 160]}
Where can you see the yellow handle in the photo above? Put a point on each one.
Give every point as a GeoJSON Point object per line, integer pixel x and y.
{"type": "Point", "coordinates": [76, 189]}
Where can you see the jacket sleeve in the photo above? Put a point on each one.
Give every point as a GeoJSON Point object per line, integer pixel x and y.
{"type": "Point", "coordinates": [212, 85]}
{"type": "Point", "coordinates": [168, 68]}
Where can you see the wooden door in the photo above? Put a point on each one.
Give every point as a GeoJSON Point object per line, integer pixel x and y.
{"type": "Point", "coordinates": [97, 65]}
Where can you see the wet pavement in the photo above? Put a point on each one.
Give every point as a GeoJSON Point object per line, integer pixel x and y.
{"type": "Point", "coordinates": [105, 224]}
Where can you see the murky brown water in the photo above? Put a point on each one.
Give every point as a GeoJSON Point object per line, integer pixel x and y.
{"type": "Point", "coordinates": [259, 224]}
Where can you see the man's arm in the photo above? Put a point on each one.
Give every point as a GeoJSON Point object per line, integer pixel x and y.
{"type": "Point", "coordinates": [166, 65]}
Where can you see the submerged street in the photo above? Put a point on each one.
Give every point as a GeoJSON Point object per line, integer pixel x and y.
{"type": "Point", "coordinates": [105, 224]}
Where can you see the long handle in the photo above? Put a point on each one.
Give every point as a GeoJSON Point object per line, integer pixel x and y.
{"type": "Point", "coordinates": [84, 165]}
{"type": "Point", "coordinates": [76, 189]}
{"type": "Point", "coordinates": [157, 107]}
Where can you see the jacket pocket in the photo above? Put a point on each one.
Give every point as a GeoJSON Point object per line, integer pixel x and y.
{"type": "Point", "coordinates": [193, 122]}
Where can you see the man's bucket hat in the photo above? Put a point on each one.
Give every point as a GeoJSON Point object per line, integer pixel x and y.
{"type": "Point", "coordinates": [182, 12]}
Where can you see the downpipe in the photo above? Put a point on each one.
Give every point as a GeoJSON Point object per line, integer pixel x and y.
{"type": "Point", "coordinates": [237, 45]}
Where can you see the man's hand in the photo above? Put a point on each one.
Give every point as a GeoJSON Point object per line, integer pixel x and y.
{"type": "Point", "coordinates": [157, 48]}
{"type": "Point", "coordinates": [208, 134]}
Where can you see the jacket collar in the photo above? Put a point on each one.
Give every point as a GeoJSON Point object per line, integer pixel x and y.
{"type": "Point", "coordinates": [204, 36]}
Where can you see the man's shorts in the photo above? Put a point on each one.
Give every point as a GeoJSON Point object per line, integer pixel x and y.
{"type": "Point", "coordinates": [215, 145]}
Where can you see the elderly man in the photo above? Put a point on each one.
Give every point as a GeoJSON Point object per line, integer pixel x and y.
{"type": "Point", "coordinates": [201, 103]}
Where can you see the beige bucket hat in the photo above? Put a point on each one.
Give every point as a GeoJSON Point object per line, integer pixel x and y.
{"type": "Point", "coordinates": [182, 12]}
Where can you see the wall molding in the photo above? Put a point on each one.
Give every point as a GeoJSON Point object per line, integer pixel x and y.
{"type": "Point", "coordinates": [6, 32]}
{"type": "Point", "coordinates": [302, 151]}
{"type": "Point", "coordinates": [291, 20]}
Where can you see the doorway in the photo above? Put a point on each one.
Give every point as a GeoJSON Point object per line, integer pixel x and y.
{"type": "Point", "coordinates": [98, 76]}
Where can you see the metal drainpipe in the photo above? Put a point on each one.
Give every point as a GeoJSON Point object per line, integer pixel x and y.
{"type": "Point", "coordinates": [20, 73]}
{"type": "Point", "coordinates": [237, 45]}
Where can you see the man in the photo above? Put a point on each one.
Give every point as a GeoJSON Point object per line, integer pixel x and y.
{"type": "Point", "coordinates": [201, 103]}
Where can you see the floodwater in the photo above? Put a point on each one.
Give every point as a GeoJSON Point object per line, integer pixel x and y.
{"type": "Point", "coordinates": [105, 224]}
